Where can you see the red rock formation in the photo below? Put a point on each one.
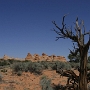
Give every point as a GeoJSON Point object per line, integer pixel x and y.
{"type": "Point", "coordinates": [36, 57]}
{"type": "Point", "coordinates": [5, 57]}
{"type": "Point", "coordinates": [45, 57]}
{"type": "Point", "coordinates": [29, 57]}
{"type": "Point", "coordinates": [49, 58]}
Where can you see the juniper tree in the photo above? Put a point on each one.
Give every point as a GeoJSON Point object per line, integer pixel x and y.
{"type": "Point", "coordinates": [78, 37]}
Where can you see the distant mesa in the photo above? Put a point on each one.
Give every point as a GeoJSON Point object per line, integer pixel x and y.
{"type": "Point", "coordinates": [5, 57]}
{"type": "Point", "coordinates": [37, 57]}
{"type": "Point", "coordinates": [45, 57]}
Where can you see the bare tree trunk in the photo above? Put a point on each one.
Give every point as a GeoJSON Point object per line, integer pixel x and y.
{"type": "Point", "coordinates": [83, 71]}
{"type": "Point", "coordinates": [64, 32]}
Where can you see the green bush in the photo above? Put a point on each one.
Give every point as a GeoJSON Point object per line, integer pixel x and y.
{"type": "Point", "coordinates": [53, 65]}
{"type": "Point", "coordinates": [63, 65]}
{"type": "Point", "coordinates": [45, 83]}
{"type": "Point", "coordinates": [4, 63]}
{"type": "Point", "coordinates": [74, 65]}
{"type": "Point", "coordinates": [18, 67]}
{"type": "Point", "coordinates": [45, 64]}
{"type": "Point", "coordinates": [11, 61]}
{"type": "Point", "coordinates": [35, 67]}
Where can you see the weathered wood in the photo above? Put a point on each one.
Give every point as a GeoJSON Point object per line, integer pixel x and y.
{"type": "Point", "coordinates": [83, 47]}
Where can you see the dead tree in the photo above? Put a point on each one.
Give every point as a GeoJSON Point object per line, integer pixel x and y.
{"type": "Point", "coordinates": [72, 76]}
{"type": "Point", "coordinates": [77, 37]}
{"type": "Point", "coordinates": [72, 81]}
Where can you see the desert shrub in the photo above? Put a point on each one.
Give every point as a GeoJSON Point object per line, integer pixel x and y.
{"type": "Point", "coordinates": [45, 64]}
{"type": "Point", "coordinates": [35, 67]}
{"type": "Point", "coordinates": [4, 63]}
{"type": "Point", "coordinates": [29, 67]}
{"type": "Point", "coordinates": [12, 61]}
{"type": "Point", "coordinates": [53, 66]}
{"type": "Point", "coordinates": [25, 65]}
{"type": "Point", "coordinates": [67, 66]}
{"type": "Point", "coordinates": [74, 65]}
{"type": "Point", "coordinates": [63, 65]}
{"type": "Point", "coordinates": [18, 67]}
{"type": "Point", "coordinates": [48, 64]}
{"type": "Point", "coordinates": [27, 61]}
{"type": "Point", "coordinates": [45, 83]}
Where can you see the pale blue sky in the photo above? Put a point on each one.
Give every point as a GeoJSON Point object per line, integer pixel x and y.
{"type": "Point", "coordinates": [25, 25]}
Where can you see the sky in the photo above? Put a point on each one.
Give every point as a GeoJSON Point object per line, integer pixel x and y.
{"type": "Point", "coordinates": [26, 25]}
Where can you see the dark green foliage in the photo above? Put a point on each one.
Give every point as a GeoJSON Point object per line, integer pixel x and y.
{"type": "Point", "coordinates": [4, 63]}
{"type": "Point", "coordinates": [74, 65]}
{"type": "Point", "coordinates": [53, 65]}
{"type": "Point", "coordinates": [27, 61]}
{"type": "Point", "coordinates": [18, 66]}
{"type": "Point", "coordinates": [11, 61]}
{"type": "Point", "coordinates": [63, 65]}
{"type": "Point", "coordinates": [45, 64]}
{"type": "Point", "coordinates": [35, 67]}
{"type": "Point", "coordinates": [75, 59]}
{"type": "Point", "coordinates": [8, 62]}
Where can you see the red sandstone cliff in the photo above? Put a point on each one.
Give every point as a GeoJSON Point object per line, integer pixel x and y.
{"type": "Point", "coordinates": [36, 57]}
{"type": "Point", "coordinates": [44, 57]}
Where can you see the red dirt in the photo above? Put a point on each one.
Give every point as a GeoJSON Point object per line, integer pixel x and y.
{"type": "Point", "coordinates": [29, 81]}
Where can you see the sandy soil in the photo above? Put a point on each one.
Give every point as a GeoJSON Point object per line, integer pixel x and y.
{"type": "Point", "coordinates": [29, 81]}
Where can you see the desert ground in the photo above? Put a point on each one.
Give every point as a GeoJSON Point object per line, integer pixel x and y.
{"type": "Point", "coordinates": [28, 80]}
